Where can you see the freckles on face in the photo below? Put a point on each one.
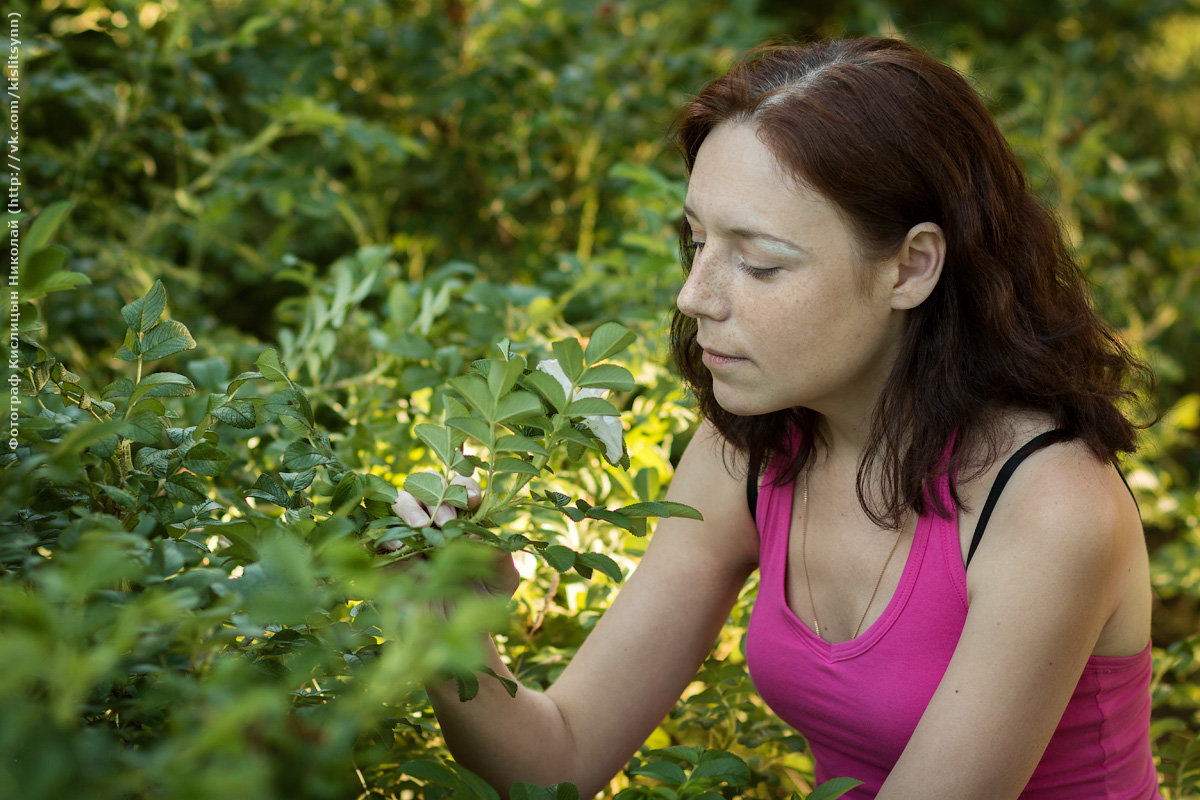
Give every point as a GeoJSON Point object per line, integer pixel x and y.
{"type": "Point", "coordinates": [776, 288]}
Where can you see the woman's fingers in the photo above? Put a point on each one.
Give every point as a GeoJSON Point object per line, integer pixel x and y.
{"type": "Point", "coordinates": [407, 508]}
{"type": "Point", "coordinates": [504, 578]}
{"type": "Point", "coordinates": [416, 514]}
{"type": "Point", "coordinates": [444, 514]}
{"type": "Point", "coordinates": [474, 492]}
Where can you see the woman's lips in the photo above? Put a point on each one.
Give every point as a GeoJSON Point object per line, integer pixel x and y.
{"type": "Point", "coordinates": [712, 358]}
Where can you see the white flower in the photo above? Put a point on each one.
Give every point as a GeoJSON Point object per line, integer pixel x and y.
{"type": "Point", "coordinates": [607, 429]}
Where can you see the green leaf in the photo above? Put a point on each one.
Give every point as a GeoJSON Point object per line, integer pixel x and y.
{"type": "Point", "coordinates": [474, 427]}
{"type": "Point", "coordinates": [559, 557]}
{"type": "Point", "coordinates": [615, 517]}
{"type": "Point", "coordinates": [384, 491]}
{"type": "Point", "coordinates": [517, 466]}
{"type": "Point", "coordinates": [209, 373]}
{"type": "Point", "coordinates": [660, 508]}
{"type": "Point", "coordinates": [565, 791]}
{"type": "Point", "coordinates": [166, 339]}
{"type": "Point", "coordinates": [270, 366]}
{"type": "Point", "coordinates": [301, 455]}
{"type": "Point", "coordinates": [152, 460]}
{"type": "Point", "coordinates": [295, 425]}
{"type": "Point", "coordinates": [570, 358]}
{"type": "Point", "coordinates": [604, 564]}
{"type": "Point", "coordinates": [663, 771]}
{"type": "Point", "coordinates": [83, 436]}
{"type": "Point", "coordinates": [237, 413]}
{"type": "Point", "coordinates": [166, 558]}
{"type": "Point", "coordinates": [432, 772]}
{"type": "Point", "coordinates": [143, 426]}
{"type": "Point", "coordinates": [61, 281]}
{"type": "Point", "coordinates": [472, 389]}
{"type": "Point", "coordinates": [683, 752]}
{"type": "Point", "coordinates": [142, 314]}
{"type": "Point", "coordinates": [299, 481]}
{"type": "Point", "coordinates": [427, 487]}
{"type": "Point", "coordinates": [41, 268]}
{"type": "Point", "coordinates": [832, 789]}
{"type": "Point", "coordinates": [608, 340]}
{"type": "Point", "coordinates": [529, 791]}
{"type": "Point", "coordinates": [509, 685]}
{"type": "Point", "coordinates": [292, 403]}
{"type": "Point", "coordinates": [162, 384]}
{"type": "Point", "coordinates": [439, 440]}
{"type": "Point", "coordinates": [131, 347]}
{"type": "Point", "coordinates": [207, 459]}
{"type": "Point", "coordinates": [241, 379]}
{"type": "Point", "coordinates": [518, 405]}
{"type": "Point", "coordinates": [119, 496]}
{"type": "Point", "coordinates": [267, 487]}
{"type": "Point", "coordinates": [548, 388]}
{"type": "Point", "coordinates": [503, 375]}
{"type": "Point", "coordinates": [348, 492]}
{"type": "Point", "coordinates": [558, 498]}
{"type": "Point", "coordinates": [121, 387]}
{"type": "Point", "coordinates": [468, 686]}
{"type": "Point", "coordinates": [721, 766]}
{"type": "Point", "coordinates": [186, 488]}
{"type": "Point", "coordinates": [607, 376]}
{"type": "Point", "coordinates": [516, 443]}
{"type": "Point", "coordinates": [44, 226]}
{"type": "Point", "coordinates": [592, 406]}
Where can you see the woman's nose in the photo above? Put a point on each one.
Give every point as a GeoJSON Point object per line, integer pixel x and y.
{"type": "Point", "coordinates": [703, 293]}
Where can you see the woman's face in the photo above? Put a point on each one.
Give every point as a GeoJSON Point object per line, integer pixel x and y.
{"type": "Point", "coordinates": [785, 314]}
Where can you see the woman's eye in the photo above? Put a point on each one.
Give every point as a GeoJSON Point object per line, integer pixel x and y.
{"type": "Point", "coordinates": [758, 273]}
{"type": "Point", "coordinates": [693, 249]}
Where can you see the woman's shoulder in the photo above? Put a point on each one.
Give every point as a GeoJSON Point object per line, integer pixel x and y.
{"type": "Point", "coordinates": [1064, 528]}
{"type": "Point", "coordinates": [1059, 475]}
{"type": "Point", "coordinates": [1062, 503]}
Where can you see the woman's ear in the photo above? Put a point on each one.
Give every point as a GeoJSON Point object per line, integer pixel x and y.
{"type": "Point", "coordinates": [918, 265]}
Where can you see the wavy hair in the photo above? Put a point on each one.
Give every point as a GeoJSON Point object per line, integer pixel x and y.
{"type": "Point", "coordinates": [892, 137]}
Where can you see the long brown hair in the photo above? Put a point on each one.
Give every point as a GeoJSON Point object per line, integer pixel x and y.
{"type": "Point", "coordinates": [893, 138]}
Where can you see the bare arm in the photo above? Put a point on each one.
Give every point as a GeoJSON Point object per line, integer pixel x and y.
{"type": "Point", "coordinates": [1061, 574]}
{"type": "Point", "coordinates": [637, 661]}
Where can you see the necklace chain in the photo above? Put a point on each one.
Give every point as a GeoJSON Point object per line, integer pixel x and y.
{"type": "Point", "coordinates": [808, 583]}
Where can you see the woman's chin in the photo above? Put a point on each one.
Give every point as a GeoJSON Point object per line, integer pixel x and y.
{"type": "Point", "coordinates": [739, 404]}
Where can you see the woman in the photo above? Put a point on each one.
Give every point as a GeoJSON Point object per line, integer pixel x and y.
{"type": "Point", "coordinates": [954, 600]}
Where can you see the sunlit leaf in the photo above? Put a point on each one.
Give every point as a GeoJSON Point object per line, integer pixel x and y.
{"type": "Point", "coordinates": [608, 340]}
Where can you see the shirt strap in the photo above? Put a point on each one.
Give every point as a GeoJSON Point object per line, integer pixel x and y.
{"type": "Point", "coordinates": [1006, 471]}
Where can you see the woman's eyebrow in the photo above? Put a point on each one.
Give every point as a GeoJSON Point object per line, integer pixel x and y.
{"type": "Point", "coordinates": [750, 233]}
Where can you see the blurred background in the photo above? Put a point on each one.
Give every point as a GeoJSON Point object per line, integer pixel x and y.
{"type": "Point", "coordinates": [382, 188]}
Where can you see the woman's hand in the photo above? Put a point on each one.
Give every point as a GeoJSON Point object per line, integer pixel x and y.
{"type": "Point", "coordinates": [417, 515]}
{"type": "Point", "coordinates": [504, 579]}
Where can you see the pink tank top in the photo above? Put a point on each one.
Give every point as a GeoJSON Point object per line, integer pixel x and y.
{"type": "Point", "coordinates": [858, 702]}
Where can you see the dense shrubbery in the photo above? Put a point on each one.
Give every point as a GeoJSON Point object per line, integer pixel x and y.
{"type": "Point", "coordinates": [373, 225]}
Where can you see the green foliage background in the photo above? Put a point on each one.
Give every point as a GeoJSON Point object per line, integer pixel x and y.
{"type": "Point", "coordinates": [354, 207]}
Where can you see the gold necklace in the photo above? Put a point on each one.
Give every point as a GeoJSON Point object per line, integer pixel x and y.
{"type": "Point", "coordinates": [808, 583]}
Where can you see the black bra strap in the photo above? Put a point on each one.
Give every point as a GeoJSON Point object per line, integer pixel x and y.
{"type": "Point", "coordinates": [1006, 471]}
{"type": "Point", "coordinates": [752, 488]}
